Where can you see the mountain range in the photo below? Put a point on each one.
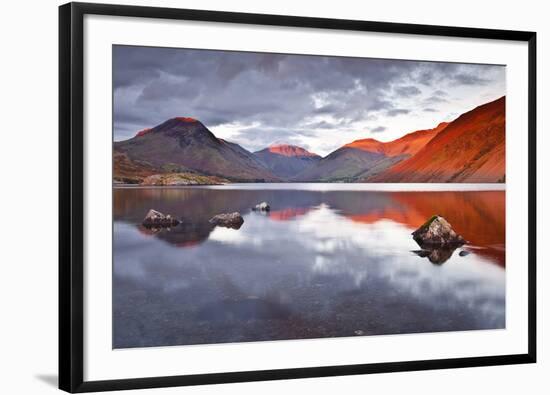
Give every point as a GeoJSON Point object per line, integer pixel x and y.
{"type": "Point", "coordinates": [469, 149]}
{"type": "Point", "coordinates": [365, 158]}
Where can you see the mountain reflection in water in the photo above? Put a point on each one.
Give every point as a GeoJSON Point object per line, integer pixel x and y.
{"type": "Point", "coordinates": [319, 264]}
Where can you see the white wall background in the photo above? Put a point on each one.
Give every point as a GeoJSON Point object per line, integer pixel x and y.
{"type": "Point", "coordinates": [28, 197]}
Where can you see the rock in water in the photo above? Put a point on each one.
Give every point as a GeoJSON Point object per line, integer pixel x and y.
{"type": "Point", "coordinates": [263, 206]}
{"type": "Point", "coordinates": [437, 232]}
{"type": "Point", "coordinates": [156, 219]}
{"type": "Point", "coordinates": [437, 256]}
{"type": "Point", "coordinates": [228, 220]}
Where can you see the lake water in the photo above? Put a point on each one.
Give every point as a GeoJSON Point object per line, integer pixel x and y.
{"type": "Point", "coordinates": [328, 260]}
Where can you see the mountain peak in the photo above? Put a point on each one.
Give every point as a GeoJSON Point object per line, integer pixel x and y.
{"type": "Point", "coordinates": [186, 119]}
{"type": "Point", "coordinates": [170, 124]}
{"type": "Point", "coordinates": [289, 150]}
{"type": "Point", "coordinates": [178, 125]}
{"type": "Point", "coordinates": [185, 144]}
{"type": "Point", "coordinates": [368, 144]}
{"type": "Point", "coordinates": [286, 160]}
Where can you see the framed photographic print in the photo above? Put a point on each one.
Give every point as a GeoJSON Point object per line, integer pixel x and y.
{"type": "Point", "coordinates": [257, 197]}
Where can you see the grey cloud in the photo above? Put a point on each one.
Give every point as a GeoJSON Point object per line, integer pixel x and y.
{"type": "Point", "coordinates": [327, 109]}
{"type": "Point", "coordinates": [125, 115]}
{"type": "Point", "coordinates": [425, 78]}
{"type": "Point", "coordinates": [429, 109]}
{"type": "Point", "coordinates": [169, 87]}
{"type": "Point", "coordinates": [397, 111]}
{"type": "Point", "coordinates": [326, 125]}
{"type": "Point", "coordinates": [452, 74]}
{"type": "Point", "coordinates": [407, 91]}
{"type": "Point", "coordinates": [219, 87]}
{"type": "Point", "coordinates": [280, 93]}
{"type": "Point", "coordinates": [434, 99]}
{"type": "Point", "coordinates": [469, 79]}
{"type": "Point", "coordinates": [379, 129]}
{"type": "Point", "coordinates": [437, 96]}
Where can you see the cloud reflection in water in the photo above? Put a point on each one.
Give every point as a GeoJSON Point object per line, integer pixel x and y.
{"type": "Point", "coordinates": [321, 273]}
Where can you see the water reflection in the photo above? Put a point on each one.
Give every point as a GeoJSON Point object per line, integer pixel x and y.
{"type": "Point", "coordinates": [320, 264]}
{"type": "Point", "coordinates": [437, 256]}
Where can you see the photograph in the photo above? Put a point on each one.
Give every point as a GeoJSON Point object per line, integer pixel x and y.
{"type": "Point", "coordinates": [271, 196]}
{"type": "Point", "coordinates": [262, 198]}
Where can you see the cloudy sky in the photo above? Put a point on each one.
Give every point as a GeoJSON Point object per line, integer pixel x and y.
{"type": "Point", "coordinates": [317, 102]}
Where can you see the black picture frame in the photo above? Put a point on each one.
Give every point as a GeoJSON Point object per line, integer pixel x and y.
{"type": "Point", "coordinates": [71, 197]}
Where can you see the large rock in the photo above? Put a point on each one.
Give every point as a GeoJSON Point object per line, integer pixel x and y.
{"type": "Point", "coordinates": [228, 220]}
{"type": "Point", "coordinates": [263, 206]}
{"type": "Point", "coordinates": [156, 219]}
{"type": "Point", "coordinates": [437, 232]}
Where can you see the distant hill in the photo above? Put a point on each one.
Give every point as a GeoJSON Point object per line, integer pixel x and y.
{"type": "Point", "coordinates": [469, 149]}
{"type": "Point", "coordinates": [365, 158]}
{"type": "Point", "coordinates": [186, 145]}
{"type": "Point", "coordinates": [409, 144]}
{"type": "Point", "coordinates": [285, 160]}
{"type": "Point", "coordinates": [343, 165]}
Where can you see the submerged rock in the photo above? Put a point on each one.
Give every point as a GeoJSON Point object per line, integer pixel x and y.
{"type": "Point", "coordinates": [263, 206]}
{"type": "Point", "coordinates": [437, 256]}
{"type": "Point", "coordinates": [228, 220]}
{"type": "Point", "coordinates": [156, 219]}
{"type": "Point", "coordinates": [437, 232]}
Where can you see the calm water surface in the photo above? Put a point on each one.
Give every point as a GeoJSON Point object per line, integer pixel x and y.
{"type": "Point", "coordinates": [326, 261]}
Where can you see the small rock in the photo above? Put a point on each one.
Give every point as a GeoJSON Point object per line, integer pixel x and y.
{"type": "Point", "coordinates": [437, 232]}
{"type": "Point", "coordinates": [263, 206]}
{"type": "Point", "coordinates": [228, 220]}
{"type": "Point", "coordinates": [464, 253]}
{"type": "Point", "coordinates": [157, 219]}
